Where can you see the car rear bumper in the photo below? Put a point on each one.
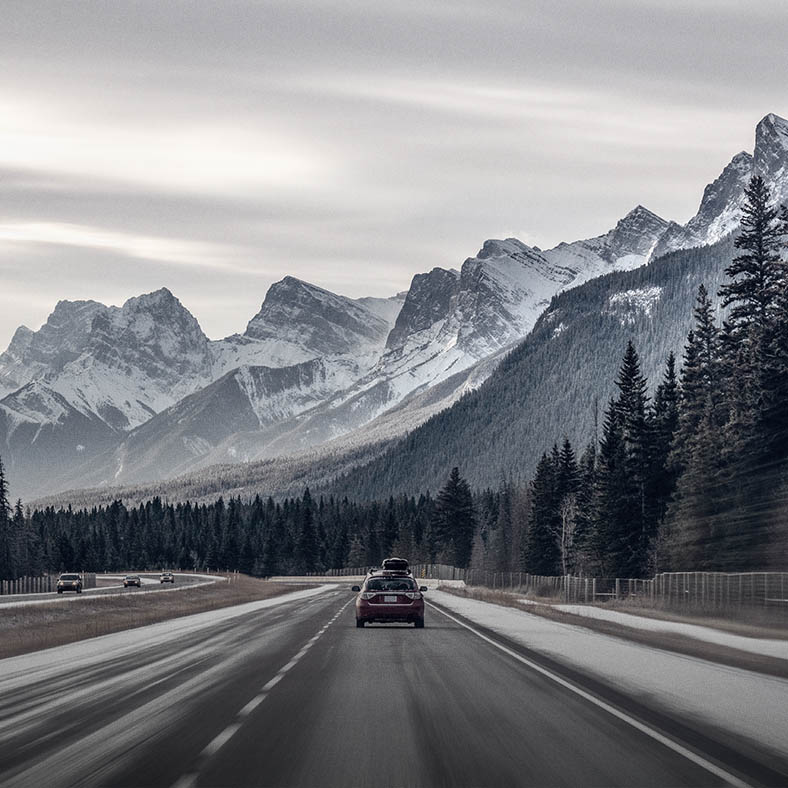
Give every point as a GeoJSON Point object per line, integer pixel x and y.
{"type": "Point", "coordinates": [390, 613]}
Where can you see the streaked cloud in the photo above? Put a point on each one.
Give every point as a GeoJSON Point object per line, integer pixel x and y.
{"type": "Point", "coordinates": [171, 250]}
{"type": "Point", "coordinates": [215, 148]}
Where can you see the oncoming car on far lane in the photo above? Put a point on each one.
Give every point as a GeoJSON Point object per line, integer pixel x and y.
{"type": "Point", "coordinates": [166, 577]}
{"type": "Point", "coordinates": [132, 580]}
{"type": "Point", "coordinates": [387, 597]}
{"type": "Point", "coordinates": [69, 582]}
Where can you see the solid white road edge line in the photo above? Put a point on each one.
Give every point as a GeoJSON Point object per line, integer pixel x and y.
{"type": "Point", "coordinates": [699, 760]}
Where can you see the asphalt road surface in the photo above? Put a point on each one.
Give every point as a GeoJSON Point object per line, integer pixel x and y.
{"type": "Point", "coordinates": [295, 695]}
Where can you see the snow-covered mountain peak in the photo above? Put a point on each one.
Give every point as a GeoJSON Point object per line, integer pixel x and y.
{"type": "Point", "coordinates": [496, 248]}
{"type": "Point", "coordinates": [771, 152]}
{"type": "Point", "coordinates": [635, 234]}
{"type": "Point", "coordinates": [719, 212]}
{"type": "Point", "coordinates": [316, 320]}
{"type": "Point", "coordinates": [63, 337]}
{"type": "Point", "coordinates": [427, 302]}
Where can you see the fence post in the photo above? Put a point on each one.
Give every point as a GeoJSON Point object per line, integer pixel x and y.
{"type": "Point", "coordinates": [618, 588]}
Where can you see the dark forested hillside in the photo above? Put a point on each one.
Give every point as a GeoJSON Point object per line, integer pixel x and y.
{"type": "Point", "coordinates": [554, 382]}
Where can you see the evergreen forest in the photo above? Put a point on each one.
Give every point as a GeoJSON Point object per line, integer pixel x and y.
{"type": "Point", "coordinates": [685, 472]}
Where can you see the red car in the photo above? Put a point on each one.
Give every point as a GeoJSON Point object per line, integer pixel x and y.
{"type": "Point", "coordinates": [390, 596]}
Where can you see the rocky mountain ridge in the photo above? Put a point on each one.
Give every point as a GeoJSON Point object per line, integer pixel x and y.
{"type": "Point", "coordinates": [96, 383]}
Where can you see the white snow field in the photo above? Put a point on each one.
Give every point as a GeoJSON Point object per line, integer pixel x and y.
{"type": "Point", "coordinates": [765, 646]}
{"type": "Point", "coordinates": [747, 704]}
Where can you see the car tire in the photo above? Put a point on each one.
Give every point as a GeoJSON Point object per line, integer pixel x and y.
{"type": "Point", "coordinates": [360, 623]}
{"type": "Point", "coordinates": [60, 590]}
{"type": "Point", "coordinates": [419, 623]}
{"type": "Point", "coordinates": [79, 590]}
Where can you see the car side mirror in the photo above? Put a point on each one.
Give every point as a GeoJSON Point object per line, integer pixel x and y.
{"type": "Point", "coordinates": [356, 588]}
{"type": "Point", "coordinates": [422, 588]}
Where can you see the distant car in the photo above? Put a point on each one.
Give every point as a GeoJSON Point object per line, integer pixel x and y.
{"type": "Point", "coordinates": [132, 580]}
{"type": "Point", "coordinates": [69, 582]}
{"type": "Point", "coordinates": [167, 577]}
{"type": "Point", "coordinates": [389, 596]}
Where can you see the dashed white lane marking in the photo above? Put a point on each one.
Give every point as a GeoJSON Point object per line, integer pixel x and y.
{"type": "Point", "coordinates": [188, 780]}
{"type": "Point", "coordinates": [220, 740]}
{"type": "Point", "coordinates": [252, 705]}
{"type": "Point", "coordinates": [699, 760]}
{"type": "Point", "coordinates": [269, 685]}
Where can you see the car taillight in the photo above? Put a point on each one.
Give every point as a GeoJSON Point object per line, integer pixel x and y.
{"type": "Point", "coordinates": [367, 595]}
{"type": "Point", "coordinates": [413, 595]}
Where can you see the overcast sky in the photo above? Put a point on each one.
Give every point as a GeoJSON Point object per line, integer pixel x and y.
{"type": "Point", "coordinates": [214, 147]}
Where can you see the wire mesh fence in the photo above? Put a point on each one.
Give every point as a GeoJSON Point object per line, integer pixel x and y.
{"type": "Point", "coordinates": [703, 592]}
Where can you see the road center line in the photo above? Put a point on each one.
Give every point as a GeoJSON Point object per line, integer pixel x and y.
{"type": "Point", "coordinates": [252, 705]}
{"type": "Point", "coordinates": [699, 760]}
{"type": "Point", "coordinates": [188, 780]}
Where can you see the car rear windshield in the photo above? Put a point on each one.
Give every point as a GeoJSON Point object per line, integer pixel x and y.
{"type": "Point", "coordinates": [69, 577]}
{"type": "Point", "coordinates": [391, 584]}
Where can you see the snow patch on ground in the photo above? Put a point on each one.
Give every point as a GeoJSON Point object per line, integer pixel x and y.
{"type": "Point", "coordinates": [750, 705]}
{"type": "Point", "coordinates": [765, 646]}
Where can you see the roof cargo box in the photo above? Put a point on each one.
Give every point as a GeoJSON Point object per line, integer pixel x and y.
{"type": "Point", "coordinates": [395, 565]}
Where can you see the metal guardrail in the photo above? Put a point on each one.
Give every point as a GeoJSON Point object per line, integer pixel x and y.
{"type": "Point", "coordinates": [41, 584]}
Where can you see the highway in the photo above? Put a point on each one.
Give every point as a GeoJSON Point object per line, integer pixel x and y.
{"type": "Point", "coordinates": [292, 694]}
{"type": "Point", "coordinates": [110, 585]}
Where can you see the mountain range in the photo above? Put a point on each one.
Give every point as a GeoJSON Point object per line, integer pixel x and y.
{"type": "Point", "coordinates": [102, 396]}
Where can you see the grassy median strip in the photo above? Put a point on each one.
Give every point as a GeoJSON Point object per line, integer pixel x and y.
{"type": "Point", "coordinates": [680, 644]}
{"type": "Point", "coordinates": [26, 629]}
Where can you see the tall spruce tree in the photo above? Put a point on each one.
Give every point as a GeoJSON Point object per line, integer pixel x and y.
{"type": "Point", "coordinates": [455, 519]}
{"type": "Point", "coordinates": [541, 551]}
{"type": "Point", "coordinates": [755, 274]}
{"type": "Point", "coordinates": [665, 420]}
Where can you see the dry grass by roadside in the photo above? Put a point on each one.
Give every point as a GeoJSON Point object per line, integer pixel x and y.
{"type": "Point", "coordinates": [26, 629]}
{"type": "Point", "coordinates": [679, 644]}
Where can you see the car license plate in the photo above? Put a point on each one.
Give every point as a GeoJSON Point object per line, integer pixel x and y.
{"type": "Point", "coordinates": [389, 598]}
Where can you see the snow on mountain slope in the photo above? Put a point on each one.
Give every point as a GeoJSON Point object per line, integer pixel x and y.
{"type": "Point", "coordinates": [628, 245]}
{"type": "Point", "coordinates": [245, 400]}
{"type": "Point", "coordinates": [385, 308]}
{"type": "Point", "coordinates": [299, 322]}
{"type": "Point", "coordinates": [449, 321]}
{"type": "Point", "coordinates": [719, 212]}
{"type": "Point", "coordinates": [140, 359]}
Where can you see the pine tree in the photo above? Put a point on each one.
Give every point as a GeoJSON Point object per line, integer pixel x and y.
{"type": "Point", "coordinates": [584, 521]}
{"type": "Point", "coordinates": [306, 556]}
{"type": "Point", "coordinates": [636, 522]}
{"type": "Point", "coordinates": [756, 273]}
{"type": "Point", "coordinates": [541, 553]}
{"type": "Point", "coordinates": [455, 519]}
{"type": "Point", "coordinates": [613, 499]}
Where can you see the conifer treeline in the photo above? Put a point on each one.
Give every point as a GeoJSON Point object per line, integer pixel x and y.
{"type": "Point", "coordinates": [694, 478]}
{"type": "Point", "coordinates": [264, 538]}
